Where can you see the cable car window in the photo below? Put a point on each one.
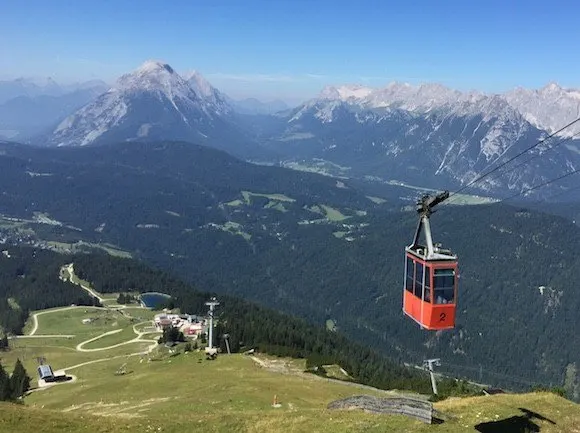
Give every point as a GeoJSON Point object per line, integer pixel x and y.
{"type": "Point", "coordinates": [444, 282]}
{"type": "Point", "coordinates": [410, 275]}
{"type": "Point", "coordinates": [419, 279]}
{"type": "Point", "coordinates": [427, 295]}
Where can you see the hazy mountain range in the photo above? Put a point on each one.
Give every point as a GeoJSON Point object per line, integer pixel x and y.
{"type": "Point", "coordinates": [426, 135]}
{"type": "Point", "coordinates": [29, 107]}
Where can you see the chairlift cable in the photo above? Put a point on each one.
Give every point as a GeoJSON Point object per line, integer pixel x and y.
{"type": "Point", "coordinates": [503, 164]}
{"type": "Point", "coordinates": [489, 372]}
{"type": "Point", "coordinates": [564, 140]}
{"type": "Point", "coordinates": [553, 196]}
{"type": "Point", "coordinates": [452, 195]}
{"type": "Point", "coordinates": [541, 185]}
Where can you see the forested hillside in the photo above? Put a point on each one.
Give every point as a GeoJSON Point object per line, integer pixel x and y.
{"type": "Point", "coordinates": [249, 325]}
{"type": "Point", "coordinates": [29, 281]}
{"type": "Point", "coordinates": [196, 175]}
{"type": "Point", "coordinates": [567, 209]}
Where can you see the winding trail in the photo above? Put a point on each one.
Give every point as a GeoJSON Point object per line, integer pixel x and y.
{"type": "Point", "coordinates": [137, 339]}
{"type": "Point", "coordinates": [95, 361]}
{"type": "Point", "coordinates": [118, 307]}
{"type": "Point", "coordinates": [80, 347]}
{"type": "Point", "coordinates": [71, 273]}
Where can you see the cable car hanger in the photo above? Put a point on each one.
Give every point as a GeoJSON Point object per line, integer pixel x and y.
{"type": "Point", "coordinates": [425, 209]}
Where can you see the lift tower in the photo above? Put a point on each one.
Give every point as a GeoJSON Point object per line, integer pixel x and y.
{"type": "Point", "coordinates": [212, 303]}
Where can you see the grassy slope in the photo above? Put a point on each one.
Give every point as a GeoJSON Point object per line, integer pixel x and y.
{"type": "Point", "coordinates": [233, 393]}
{"type": "Point", "coordinates": [60, 351]}
{"type": "Point", "coordinates": [58, 355]}
{"type": "Point", "coordinates": [468, 412]}
{"type": "Point", "coordinates": [210, 412]}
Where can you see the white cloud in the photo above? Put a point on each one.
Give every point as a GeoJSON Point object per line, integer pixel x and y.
{"type": "Point", "coordinates": [317, 76]}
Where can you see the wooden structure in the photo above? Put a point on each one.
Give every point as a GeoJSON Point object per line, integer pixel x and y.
{"type": "Point", "coordinates": [421, 410]}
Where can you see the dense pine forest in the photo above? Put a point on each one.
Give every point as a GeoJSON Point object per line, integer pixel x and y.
{"type": "Point", "coordinates": [29, 281]}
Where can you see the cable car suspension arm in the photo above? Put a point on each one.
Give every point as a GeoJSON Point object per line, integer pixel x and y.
{"type": "Point", "coordinates": [425, 209]}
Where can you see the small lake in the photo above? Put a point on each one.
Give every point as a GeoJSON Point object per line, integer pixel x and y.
{"type": "Point", "coordinates": [154, 299]}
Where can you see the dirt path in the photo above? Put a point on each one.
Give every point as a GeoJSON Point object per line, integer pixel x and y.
{"type": "Point", "coordinates": [71, 271]}
{"type": "Point", "coordinates": [149, 349]}
{"type": "Point", "coordinates": [134, 340]}
{"type": "Point", "coordinates": [259, 361]}
{"type": "Point", "coordinates": [138, 335]}
{"type": "Point", "coordinates": [79, 347]}
{"type": "Point", "coordinates": [20, 337]}
{"type": "Point", "coordinates": [94, 361]}
{"type": "Point", "coordinates": [137, 339]}
{"type": "Point", "coordinates": [98, 349]}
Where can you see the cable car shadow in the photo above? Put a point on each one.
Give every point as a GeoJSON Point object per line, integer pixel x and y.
{"type": "Point", "coordinates": [515, 424]}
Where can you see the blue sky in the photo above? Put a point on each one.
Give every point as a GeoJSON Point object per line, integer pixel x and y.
{"type": "Point", "coordinates": [292, 48]}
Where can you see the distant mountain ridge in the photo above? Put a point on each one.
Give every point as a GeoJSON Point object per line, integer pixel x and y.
{"type": "Point", "coordinates": [28, 87]}
{"type": "Point", "coordinates": [425, 135]}
{"type": "Point", "coordinates": [27, 116]}
{"type": "Point", "coordinates": [28, 107]}
{"type": "Point", "coordinates": [548, 108]}
{"type": "Point", "coordinates": [155, 103]}
{"type": "Point", "coordinates": [46, 86]}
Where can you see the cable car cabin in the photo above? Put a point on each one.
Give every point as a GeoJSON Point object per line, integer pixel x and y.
{"type": "Point", "coordinates": [430, 288]}
{"type": "Point", "coordinates": [430, 291]}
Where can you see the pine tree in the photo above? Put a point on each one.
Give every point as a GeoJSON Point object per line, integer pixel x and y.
{"type": "Point", "coordinates": [4, 342]}
{"type": "Point", "coordinates": [19, 381]}
{"type": "Point", "coordinates": [5, 390]}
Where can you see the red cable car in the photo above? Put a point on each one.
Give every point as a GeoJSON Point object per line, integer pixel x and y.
{"type": "Point", "coordinates": [430, 288]}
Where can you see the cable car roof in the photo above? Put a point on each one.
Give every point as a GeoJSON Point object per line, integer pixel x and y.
{"type": "Point", "coordinates": [421, 252]}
